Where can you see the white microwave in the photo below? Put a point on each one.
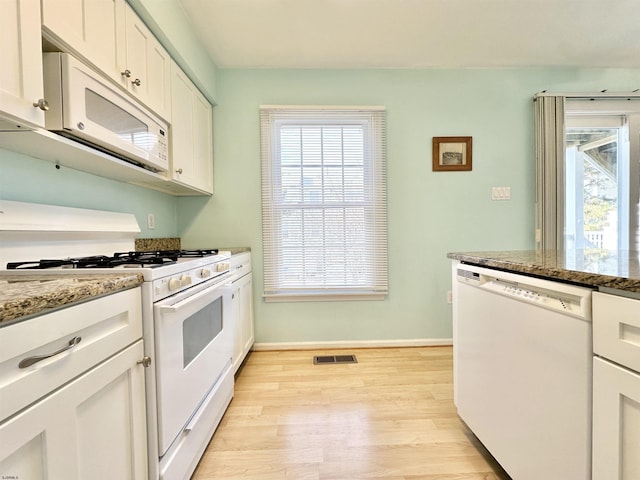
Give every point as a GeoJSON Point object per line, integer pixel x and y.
{"type": "Point", "coordinates": [88, 108]}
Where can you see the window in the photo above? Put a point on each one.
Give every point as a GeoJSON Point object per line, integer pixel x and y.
{"type": "Point", "coordinates": [324, 222]}
{"type": "Point", "coordinates": [588, 172]}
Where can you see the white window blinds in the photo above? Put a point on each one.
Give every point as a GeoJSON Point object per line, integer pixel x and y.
{"type": "Point", "coordinates": [324, 218]}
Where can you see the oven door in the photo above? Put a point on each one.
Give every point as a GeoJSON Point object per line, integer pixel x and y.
{"type": "Point", "coordinates": [194, 344]}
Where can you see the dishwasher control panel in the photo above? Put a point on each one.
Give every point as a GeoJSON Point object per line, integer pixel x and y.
{"type": "Point", "coordinates": [555, 296]}
{"type": "Point", "coordinates": [542, 297]}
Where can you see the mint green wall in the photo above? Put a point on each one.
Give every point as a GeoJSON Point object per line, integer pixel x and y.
{"type": "Point", "coordinates": [26, 179]}
{"type": "Point", "coordinates": [430, 213]}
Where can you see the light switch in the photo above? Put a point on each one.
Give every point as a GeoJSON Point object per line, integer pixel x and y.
{"type": "Point", "coordinates": [500, 193]}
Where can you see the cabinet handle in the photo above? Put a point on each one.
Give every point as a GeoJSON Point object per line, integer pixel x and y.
{"type": "Point", "coordinates": [126, 73]}
{"type": "Point", "coordinates": [145, 362]}
{"type": "Point", "coordinates": [179, 171]}
{"type": "Point", "coordinates": [27, 362]}
{"type": "Point", "coordinates": [137, 82]}
{"type": "Point", "coordinates": [42, 104]}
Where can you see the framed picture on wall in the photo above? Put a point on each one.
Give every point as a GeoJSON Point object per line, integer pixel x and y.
{"type": "Point", "coordinates": [451, 154]}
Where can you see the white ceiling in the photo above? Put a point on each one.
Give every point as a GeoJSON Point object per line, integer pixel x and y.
{"type": "Point", "coordinates": [418, 33]}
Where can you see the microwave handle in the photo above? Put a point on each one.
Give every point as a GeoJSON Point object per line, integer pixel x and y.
{"type": "Point", "coordinates": [192, 298]}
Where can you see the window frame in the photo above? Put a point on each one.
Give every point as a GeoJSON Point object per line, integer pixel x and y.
{"type": "Point", "coordinates": [272, 120]}
{"type": "Point", "coordinates": [551, 112]}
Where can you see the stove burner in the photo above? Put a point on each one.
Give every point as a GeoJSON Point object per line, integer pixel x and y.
{"type": "Point", "coordinates": [99, 261]}
{"type": "Point", "coordinates": [149, 259]}
{"type": "Point", "coordinates": [201, 252]}
{"type": "Point", "coordinates": [85, 262]}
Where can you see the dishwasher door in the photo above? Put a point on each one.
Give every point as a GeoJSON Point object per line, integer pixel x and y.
{"type": "Point", "coordinates": [522, 361]}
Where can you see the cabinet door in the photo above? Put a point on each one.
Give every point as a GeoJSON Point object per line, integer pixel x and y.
{"type": "Point", "coordinates": [246, 313]}
{"type": "Point", "coordinates": [94, 427]}
{"type": "Point", "coordinates": [203, 141]}
{"type": "Point", "coordinates": [616, 422]}
{"type": "Point", "coordinates": [21, 59]}
{"type": "Point", "coordinates": [191, 134]}
{"type": "Point", "coordinates": [149, 66]}
{"type": "Point", "coordinates": [182, 128]}
{"type": "Point", "coordinates": [94, 29]}
{"type": "Point", "coordinates": [234, 320]}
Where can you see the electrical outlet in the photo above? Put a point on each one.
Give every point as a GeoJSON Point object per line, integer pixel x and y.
{"type": "Point", "coordinates": [151, 221]}
{"type": "Point", "coordinates": [449, 296]}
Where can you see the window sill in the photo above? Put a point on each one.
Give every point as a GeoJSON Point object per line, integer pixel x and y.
{"type": "Point", "coordinates": [322, 297]}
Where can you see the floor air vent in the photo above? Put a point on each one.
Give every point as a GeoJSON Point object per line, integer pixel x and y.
{"type": "Point", "coordinates": [324, 359]}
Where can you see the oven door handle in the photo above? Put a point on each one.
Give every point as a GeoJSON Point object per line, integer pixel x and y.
{"type": "Point", "coordinates": [193, 298]}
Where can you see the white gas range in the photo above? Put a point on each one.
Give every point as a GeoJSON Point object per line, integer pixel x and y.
{"type": "Point", "coordinates": [189, 382]}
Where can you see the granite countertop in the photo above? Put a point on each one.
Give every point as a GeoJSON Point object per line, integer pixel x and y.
{"type": "Point", "coordinates": [237, 250]}
{"type": "Point", "coordinates": [598, 268]}
{"type": "Point", "coordinates": [174, 243]}
{"type": "Point", "coordinates": [24, 296]}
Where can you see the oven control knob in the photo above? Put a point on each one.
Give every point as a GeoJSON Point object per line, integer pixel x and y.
{"type": "Point", "coordinates": [185, 280]}
{"type": "Point", "coordinates": [205, 273]}
{"type": "Point", "coordinates": [221, 267]}
{"type": "Point", "coordinates": [174, 284]}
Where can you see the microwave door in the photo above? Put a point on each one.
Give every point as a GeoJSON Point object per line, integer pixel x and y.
{"type": "Point", "coordinates": [103, 116]}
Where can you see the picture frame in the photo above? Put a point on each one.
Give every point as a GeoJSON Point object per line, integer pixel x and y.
{"type": "Point", "coordinates": [452, 154]}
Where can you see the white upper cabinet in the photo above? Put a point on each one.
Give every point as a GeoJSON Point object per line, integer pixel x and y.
{"type": "Point", "coordinates": [93, 29]}
{"type": "Point", "coordinates": [109, 35]}
{"type": "Point", "coordinates": [191, 134]}
{"type": "Point", "coordinates": [147, 70]}
{"type": "Point", "coordinates": [21, 87]}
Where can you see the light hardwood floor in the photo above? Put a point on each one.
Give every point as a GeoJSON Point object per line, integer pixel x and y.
{"type": "Point", "coordinates": [390, 416]}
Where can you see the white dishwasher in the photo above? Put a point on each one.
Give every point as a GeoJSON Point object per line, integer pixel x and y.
{"type": "Point", "coordinates": [523, 370]}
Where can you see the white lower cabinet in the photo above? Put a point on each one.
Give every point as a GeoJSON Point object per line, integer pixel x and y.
{"type": "Point", "coordinates": [616, 422]}
{"type": "Point", "coordinates": [72, 393]}
{"type": "Point", "coordinates": [616, 388]}
{"type": "Point", "coordinates": [242, 307]}
{"type": "Point", "coordinates": [94, 427]}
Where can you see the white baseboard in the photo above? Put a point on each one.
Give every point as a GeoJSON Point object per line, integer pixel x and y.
{"type": "Point", "coordinates": [418, 342]}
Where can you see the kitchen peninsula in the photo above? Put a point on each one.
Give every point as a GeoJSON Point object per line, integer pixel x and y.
{"type": "Point", "coordinates": [602, 269]}
{"type": "Point", "coordinates": [555, 334]}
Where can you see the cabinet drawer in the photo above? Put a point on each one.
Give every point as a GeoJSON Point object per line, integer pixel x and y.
{"type": "Point", "coordinates": [105, 325]}
{"type": "Point", "coordinates": [616, 329]}
{"type": "Point", "coordinates": [240, 264]}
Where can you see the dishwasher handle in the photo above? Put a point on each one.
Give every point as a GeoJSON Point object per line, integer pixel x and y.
{"type": "Point", "coordinates": [27, 362]}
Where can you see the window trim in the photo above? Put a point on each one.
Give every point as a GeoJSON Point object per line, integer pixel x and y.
{"type": "Point", "coordinates": [273, 116]}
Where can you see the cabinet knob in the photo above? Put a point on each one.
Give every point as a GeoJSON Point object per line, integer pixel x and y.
{"type": "Point", "coordinates": [145, 362]}
{"type": "Point", "coordinates": [136, 82]}
{"type": "Point", "coordinates": [126, 73]}
{"type": "Point", "coordinates": [179, 171]}
{"type": "Point", "coordinates": [42, 104]}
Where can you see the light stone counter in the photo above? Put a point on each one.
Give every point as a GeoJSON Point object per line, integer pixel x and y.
{"type": "Point", "coordinates": [619, 270]}
{"type": "Point", "coordinates": [24, 296]}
